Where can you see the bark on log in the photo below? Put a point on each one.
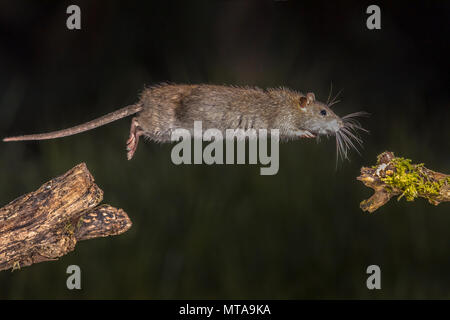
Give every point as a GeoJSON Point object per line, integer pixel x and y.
{"type": "Point", "coordinates": [394, 176]}
{"type": "Point", "coordinates": [47, 223]}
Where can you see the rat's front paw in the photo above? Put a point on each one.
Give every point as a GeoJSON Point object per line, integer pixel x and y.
{"type": "Point", "coordinates": [304, 134]}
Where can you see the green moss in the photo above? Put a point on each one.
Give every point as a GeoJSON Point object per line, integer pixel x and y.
{"type": "Point", "coordinates": [411, 180]}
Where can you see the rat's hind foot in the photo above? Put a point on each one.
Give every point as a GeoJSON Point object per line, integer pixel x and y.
{"type": "Point", "coordinates": [132, 142]}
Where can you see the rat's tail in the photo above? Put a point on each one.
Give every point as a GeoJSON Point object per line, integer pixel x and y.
{"type": "Point", "coordinates": [110, 117]}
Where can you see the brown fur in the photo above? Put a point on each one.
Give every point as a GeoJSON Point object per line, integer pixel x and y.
{"type": "Point", "coordinates": [169, 107]}
{"type": "Point", "coordinates": [164, 108]}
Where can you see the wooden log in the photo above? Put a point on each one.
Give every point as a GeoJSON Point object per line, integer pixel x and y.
{"type": "Point", "coordinates": [47, 223]}
{"type": "Point", "coordinates": [395, 176]}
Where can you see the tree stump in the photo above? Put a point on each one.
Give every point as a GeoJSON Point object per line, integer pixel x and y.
{"type": "Point", "coordinates": [47, 224]}
{"type": "Point", "coordinates": [395, 176]}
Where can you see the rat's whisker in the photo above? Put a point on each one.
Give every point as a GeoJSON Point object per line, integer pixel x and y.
{"type": "Point", "coordinates": [341, 146]}
{"type": "Point", "coordinates": [334, 99]}
{"type": "Point", "coordinates": [352, 123]}
{"type": "Point", "coordinates": [351, 120]}
{"type": "Point", "coordinates": [329, 95]}
{"type": "Point", "coordinates": [344, 148]}
{"type": "Point", "coordinates": [333, 103]}
{"type": "Point", "coordinates": [341, 152]}
{"type": "Point", "coordinates": [353, 136]}
{"type": "Point", "coordinates": [338, 148]}
{"type": "Point", "coordinates": [355, 129]}
{"type": "Point", "coordinates": [356, 114]}
{"type": "Point", "coordinates": [346, 131]}
{"type": "Point", "coordinates": [348, 141]}
{"type": "Point", "coordinates": [347, 136]}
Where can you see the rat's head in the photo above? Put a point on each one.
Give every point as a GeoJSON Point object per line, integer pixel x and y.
{"type": "Point", "coordinates": [314, 119]}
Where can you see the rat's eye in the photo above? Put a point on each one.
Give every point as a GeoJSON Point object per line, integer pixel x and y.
{"type": "Point", "coordinates": [323, 112]}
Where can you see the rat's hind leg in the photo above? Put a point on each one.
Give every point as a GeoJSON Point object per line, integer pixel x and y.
{"type": "Point", "coordinates": [132, 142]}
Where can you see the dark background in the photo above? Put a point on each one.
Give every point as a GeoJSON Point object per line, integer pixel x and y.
{"type": "Point", "coordinates": [225, 231]}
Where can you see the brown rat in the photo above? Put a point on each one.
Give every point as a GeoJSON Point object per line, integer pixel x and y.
{"type": "Point", "coordinates": [164, 108]}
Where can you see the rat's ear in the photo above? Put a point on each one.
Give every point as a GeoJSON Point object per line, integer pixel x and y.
{"type": "Point", "coordinates": [310, 97]}
{"type": "Point", "coordinates": [303, 101]}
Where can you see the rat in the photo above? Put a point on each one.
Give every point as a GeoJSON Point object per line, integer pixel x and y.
{"type": "Point", "coordinates": [163, 108]}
